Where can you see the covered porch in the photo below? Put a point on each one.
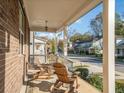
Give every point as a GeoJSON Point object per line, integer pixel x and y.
{"type": "Point", "coordinates": [44, 85]}
{"type": "Point", "coordinates": [59, 15]}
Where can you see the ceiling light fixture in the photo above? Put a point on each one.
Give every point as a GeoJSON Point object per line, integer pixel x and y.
{"type": "Point", "coordinates": [46, 27]}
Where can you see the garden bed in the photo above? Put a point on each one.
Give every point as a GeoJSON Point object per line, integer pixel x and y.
{"type": "Point", "coordinates": [97, 80]}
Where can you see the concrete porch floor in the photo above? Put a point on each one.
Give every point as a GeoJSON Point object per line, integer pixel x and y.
{"type": "Point", "coordinates": [43, 86]}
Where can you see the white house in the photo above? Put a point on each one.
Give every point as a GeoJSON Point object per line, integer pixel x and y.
{"type": "Point", "coordinates": [37, 49]}
{"type": "Point", "coordinates": [97, 46]}
{"type": "Point", "coordinates": [120, 48]}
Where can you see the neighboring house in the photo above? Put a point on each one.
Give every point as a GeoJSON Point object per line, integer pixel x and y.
{"type": "Point", "coordinates": [120, 48]}
{"type": "Point", "coordinates": [38, 49]}
{"type": "Point", "coordinates": [37, 46]}
{"type": "Point", "coordinates": [82, 46]}
{"type": "Point", "coordinates": [70, 44]}
{"type": "Point", "coordinates": [96, 47]}
{"type": "Point", "coordinates": [91, 47]}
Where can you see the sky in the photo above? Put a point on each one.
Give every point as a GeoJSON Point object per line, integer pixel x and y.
{"type": "Point", "coordinates": [60, 35]}
{"type": "Point", "coordinates": [45, 34]}
{"type": "Point", "coordinates": [120, 8]}
{"type": "Point", "coordinates": [82, 25]}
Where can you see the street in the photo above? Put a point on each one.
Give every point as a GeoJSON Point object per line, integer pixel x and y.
{"type": "Point", "coordinates": [98, 62]}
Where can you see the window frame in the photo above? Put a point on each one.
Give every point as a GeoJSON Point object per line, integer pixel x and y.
{"type": "Point", "coordinates": [21, 29]}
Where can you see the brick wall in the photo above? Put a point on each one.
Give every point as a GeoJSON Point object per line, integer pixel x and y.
{"type": "Point", "coordinates": [26, 46]}
{"type": "Point", "coordinates": [11, 63]}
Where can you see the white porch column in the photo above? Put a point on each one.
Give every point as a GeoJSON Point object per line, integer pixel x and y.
{"type": "Point", "coordinates": [65, 41]}
{"type": "Point", "coordinates": [56, 44]}
{"type": "Point", "coordinates": [109, 46]}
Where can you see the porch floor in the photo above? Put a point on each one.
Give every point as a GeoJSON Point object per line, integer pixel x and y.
{"type": "Point", "coordinates": [43, 86]}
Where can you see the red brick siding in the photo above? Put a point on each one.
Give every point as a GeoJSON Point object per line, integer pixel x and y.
{"type": "Point", "coordinates": [11, 64]}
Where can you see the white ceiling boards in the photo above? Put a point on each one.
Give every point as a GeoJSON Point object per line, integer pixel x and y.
{"type": "Point", "coordinates": [57, 12]}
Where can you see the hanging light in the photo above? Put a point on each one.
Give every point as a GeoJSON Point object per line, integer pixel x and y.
{"type": "Point", "coordinates": [46, 27]}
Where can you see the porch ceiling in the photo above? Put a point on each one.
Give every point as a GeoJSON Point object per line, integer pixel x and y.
{"type": "Point", "coordinates": [57, 12]}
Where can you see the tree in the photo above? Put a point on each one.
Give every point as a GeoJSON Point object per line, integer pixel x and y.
{"type": "Point", "coordinates": [61, 45]}
{"type": "Point", "coordinates": [96, 25]}
{"type": "Point", "coordinates": [81, 38]}
{"type": "Point", "coordinates": [52, 43]}
{"type": "Point", "coordinates": [119, 25]}
{"type": "Point", "coordinates": [71, 32]}
{"type": "Point", "coordinates": [75, 37]}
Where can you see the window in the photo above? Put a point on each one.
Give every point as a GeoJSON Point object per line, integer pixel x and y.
{"type": "Point", "coordinates": [123, 51]}
{"type": "Point", "coordinates": [21, 37]}
{"type": "Point", "coordinates": [118, 51]}
{"type": "Point", "coordinates": [21, 28]}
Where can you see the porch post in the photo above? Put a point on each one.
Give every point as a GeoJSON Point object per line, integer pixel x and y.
{"type": "Point", "coordinates": [109, 46]}
{"type": "Point", "coordinates": [33, 46]}
{"type": "Point", "coordinates": [56, 44]}
{"type": "Point", "coordinates": [65, 41]}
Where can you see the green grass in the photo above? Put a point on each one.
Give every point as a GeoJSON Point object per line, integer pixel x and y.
{"type": "Point", "coordinates": [121, 81]}
{"type": "Point", "coordinates": [81, 66]}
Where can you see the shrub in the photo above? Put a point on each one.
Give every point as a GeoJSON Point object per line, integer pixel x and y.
{"type": "Point", "coordinates": [84, 72]}
{"type": "Point", "coordinates": [120, 57]}
{"type": "Point", "coordinates": [96, 81]}
{"type": "Point", "coordinates": [119, 87]}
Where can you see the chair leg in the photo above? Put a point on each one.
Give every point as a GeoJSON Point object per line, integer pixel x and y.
{"type": "Point", "coordinates": [71, 88]}
{"type": "Point", "coordinates": [52, 88]}
{"type": "Point", "coordinates": [55, 86]}
{"type": "Point", "coordinates": [57, 81]}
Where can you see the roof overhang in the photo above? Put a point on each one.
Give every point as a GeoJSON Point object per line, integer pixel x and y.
{"type": "Point", "coordinates": [59, 13]}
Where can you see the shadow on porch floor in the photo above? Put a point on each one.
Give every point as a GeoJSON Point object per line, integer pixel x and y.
{"type": "Point", "coordinates": [43, 86]}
